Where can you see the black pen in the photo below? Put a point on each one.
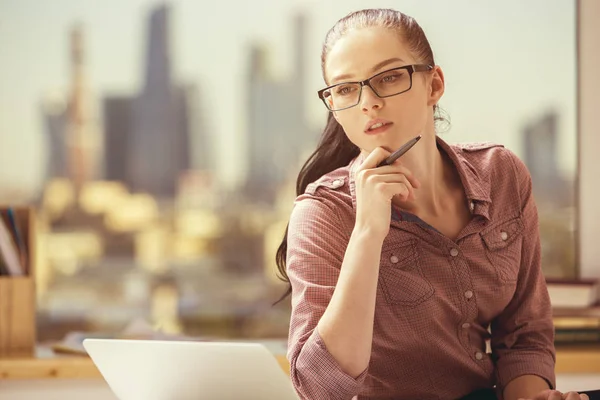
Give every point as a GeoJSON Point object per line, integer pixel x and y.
{"type": "Point", "coordinates": [398, 153]}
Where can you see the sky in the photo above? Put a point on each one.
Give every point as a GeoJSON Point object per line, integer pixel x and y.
{"type": "Point", "coordinates": [505, 63]}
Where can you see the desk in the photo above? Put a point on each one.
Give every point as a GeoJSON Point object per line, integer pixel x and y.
{"type": "Point", "coordinates": [53, 377]}
{"type": "Point", "coordinates": [47, 365]}
{"type": "Point", "coordinates": [59, 377]}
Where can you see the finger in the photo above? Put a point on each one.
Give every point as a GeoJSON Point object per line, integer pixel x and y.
{"type": "Point", "coordinates": [584, 397]}
{"type": "Point", "coordinates": [571, 396]}
{"type": "Point", "coordinates": [395, 189]}
{"type": "Point", "coordinates": [398, 168]}
{"type": "Point", "coordinates": [374, 158]}
{"type": "Point", "coordinates": [393, 180]}
{"type": "Point", "coordinates": [373, 177]}
{"type": "Point", "coordinates": [402, 180]}
{"type": "Point", "coordinates": [555, 395]}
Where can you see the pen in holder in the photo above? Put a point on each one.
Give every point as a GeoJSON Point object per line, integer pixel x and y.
{"type": "Point", "coordinates": [17, 282]}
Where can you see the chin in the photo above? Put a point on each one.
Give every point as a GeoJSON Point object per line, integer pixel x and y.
{"type": "Point", "coordinates": [389, 141]}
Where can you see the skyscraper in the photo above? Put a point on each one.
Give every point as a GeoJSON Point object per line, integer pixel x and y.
{"type": "Point", "coordinates": [55, 120]}
{"type": "Point", "coordinates": [159, 140]}
{"type": "Point", "coordinates": [81, 140]}
{"type": "Point", "coordinates": [278, 131]}
{"type": "Point", "coordinates": [74, 145]}
{"type": "Point", "coordinates": [118, 112]}
{"type": "Point", "coordinates": [540, 145]}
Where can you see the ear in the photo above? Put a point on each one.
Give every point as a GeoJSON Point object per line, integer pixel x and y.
{"type": "Point", "coordinates": [436, 87]}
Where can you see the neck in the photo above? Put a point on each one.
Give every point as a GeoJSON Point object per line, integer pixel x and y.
{"type": "Point", "coordinates": [435, 173]}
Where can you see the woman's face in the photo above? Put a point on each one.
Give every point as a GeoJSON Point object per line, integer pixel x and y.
{"type": "Point", "coordinates": [359, 55]}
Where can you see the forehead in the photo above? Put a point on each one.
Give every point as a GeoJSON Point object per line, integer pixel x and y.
{"type": "Point", "coordinates": [359, 50]}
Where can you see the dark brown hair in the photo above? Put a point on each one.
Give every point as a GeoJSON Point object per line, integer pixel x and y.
{"type": "Point", "coordinates": [335, 150]}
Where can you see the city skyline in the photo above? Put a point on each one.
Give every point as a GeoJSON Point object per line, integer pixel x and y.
{"type": "Point", "coordinates": [501, 114]}
{"type": "Point", "coordinates": [248, 108]}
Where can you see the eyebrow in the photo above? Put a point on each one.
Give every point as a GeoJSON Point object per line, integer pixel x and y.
{"type": "Point", "coordinates": [375, 68]}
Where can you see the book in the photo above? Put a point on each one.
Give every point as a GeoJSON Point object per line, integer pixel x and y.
{"type": "Point", "coordinates": [18, 237]}
{"type": "Point", "coordinates": [9, 253]}
{"type": "Point", "coordinates": [577, 336]}
{"type": "Point", "coordinates": [580, 312]}
{"type": "Point", "coordinates": [573, 293]}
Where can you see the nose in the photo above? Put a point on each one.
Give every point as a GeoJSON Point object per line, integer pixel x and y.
{"type": "Point", "coordinates": [369, 100]}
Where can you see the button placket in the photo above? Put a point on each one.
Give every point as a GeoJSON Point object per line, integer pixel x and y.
{"type": "Point", "coordinates": [469, 306]}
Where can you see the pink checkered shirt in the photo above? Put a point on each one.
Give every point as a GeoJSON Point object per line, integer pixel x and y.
{"type": "Point", "coordinates": [437, 299]}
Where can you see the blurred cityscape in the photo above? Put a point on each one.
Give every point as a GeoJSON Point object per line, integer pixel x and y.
{"type": "Point", "coordinates": [128, 228]}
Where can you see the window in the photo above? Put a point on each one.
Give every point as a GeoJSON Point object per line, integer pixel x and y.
{"type": "Point", "coordinates": [164, 167]}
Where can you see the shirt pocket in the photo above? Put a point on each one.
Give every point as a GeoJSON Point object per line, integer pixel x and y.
{"type": "Point", "coordinates": [503, 245]}
{"type": "Point", "coordinates": [401, 277]}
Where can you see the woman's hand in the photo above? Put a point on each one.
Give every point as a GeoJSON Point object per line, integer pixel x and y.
{"type": "Point", "coordinates": [375, 188]}
{"type": "Point", "coordinates": [556, 395]}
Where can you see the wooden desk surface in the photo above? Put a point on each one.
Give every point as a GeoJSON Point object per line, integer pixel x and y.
{"type": "Point", "coordinates": [48, 365]}
{"type": "Point", "coordinates": [576, 360]}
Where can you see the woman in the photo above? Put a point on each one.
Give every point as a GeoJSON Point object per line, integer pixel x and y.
{"type": "Point", "coordinates": [400, 274]}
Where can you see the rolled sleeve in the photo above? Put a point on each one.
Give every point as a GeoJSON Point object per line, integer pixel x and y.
{"type": "Point", "coordinates": [523, 334]}
{"type": "Point", "coordinates": [316, 365]}
{"type": "Point", "coordinates": [316, 247]}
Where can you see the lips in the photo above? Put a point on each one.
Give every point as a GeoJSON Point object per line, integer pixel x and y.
{"type": "Point", "coordinates": [376, 124]}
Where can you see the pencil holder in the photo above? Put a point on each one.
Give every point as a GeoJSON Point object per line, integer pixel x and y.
{"type": "Point", "coordinates": [17, 293]}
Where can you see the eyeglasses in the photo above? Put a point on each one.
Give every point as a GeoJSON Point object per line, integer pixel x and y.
{"type": "Point", "coordinates": [385, 84]}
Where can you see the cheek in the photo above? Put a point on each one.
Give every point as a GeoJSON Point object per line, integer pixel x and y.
{"type": "Point", "coordinates": [351, 122]}
{"type": "Point", "coordinates": [407, 112]}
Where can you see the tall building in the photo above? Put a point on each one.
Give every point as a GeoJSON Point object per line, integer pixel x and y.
{"type": "Point", "coordinates": [201, 144]}
{"type": "Point", "coordinates": [278, 129]}
{"type": "Point", "coordinates": [55, 121]}
{"type": "Point", "coordinates": [74, 146]}
{"type": "Point", "coordinates": [540, 145]}
{"type": "Point", "coordinates": [158, 145]}
{"type": "Point", "coordinates": [117, 114]}
{"type": "Point", "coordinates": [81, 140]}
{"type": "Point", "coordinates": [148, 136]}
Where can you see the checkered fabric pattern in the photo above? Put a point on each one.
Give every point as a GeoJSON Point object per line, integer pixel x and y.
{"type": "Point", "coordinates": [440, 302]}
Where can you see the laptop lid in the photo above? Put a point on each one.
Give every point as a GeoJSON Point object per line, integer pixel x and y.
{"type": "Point", "coordinates": [189, 370]}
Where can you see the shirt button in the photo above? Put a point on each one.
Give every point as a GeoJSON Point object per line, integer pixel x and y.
{"type": "Point", "coordinates": [466, 325]}
{"type": "Point", "coordinates": [394, 259]}
{"type": "Point", "coordinates": [504, 235]}
{"type": "Point", "coordinates": [468, 294]}
{"type": "Point", "coordinates": [471, 205]}
{"type": "Point", "coordinates": [337, 183]}
{"type": "Point", "coordinates": [479, 355]}
{"type": "Point", "coordinates": [454, 252]}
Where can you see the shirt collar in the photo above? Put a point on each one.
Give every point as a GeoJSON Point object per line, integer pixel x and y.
{"type": "Point", "coordinates": [475, 181]}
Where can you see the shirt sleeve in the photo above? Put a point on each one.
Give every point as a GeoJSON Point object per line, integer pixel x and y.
{"type": "Point", "coordinates": [316, 248]}
{"type": "Point", "coordinates": [523, 334]}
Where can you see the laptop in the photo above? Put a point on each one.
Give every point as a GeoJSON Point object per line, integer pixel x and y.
{"type": "Point", "coordinates": [189, 370]}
